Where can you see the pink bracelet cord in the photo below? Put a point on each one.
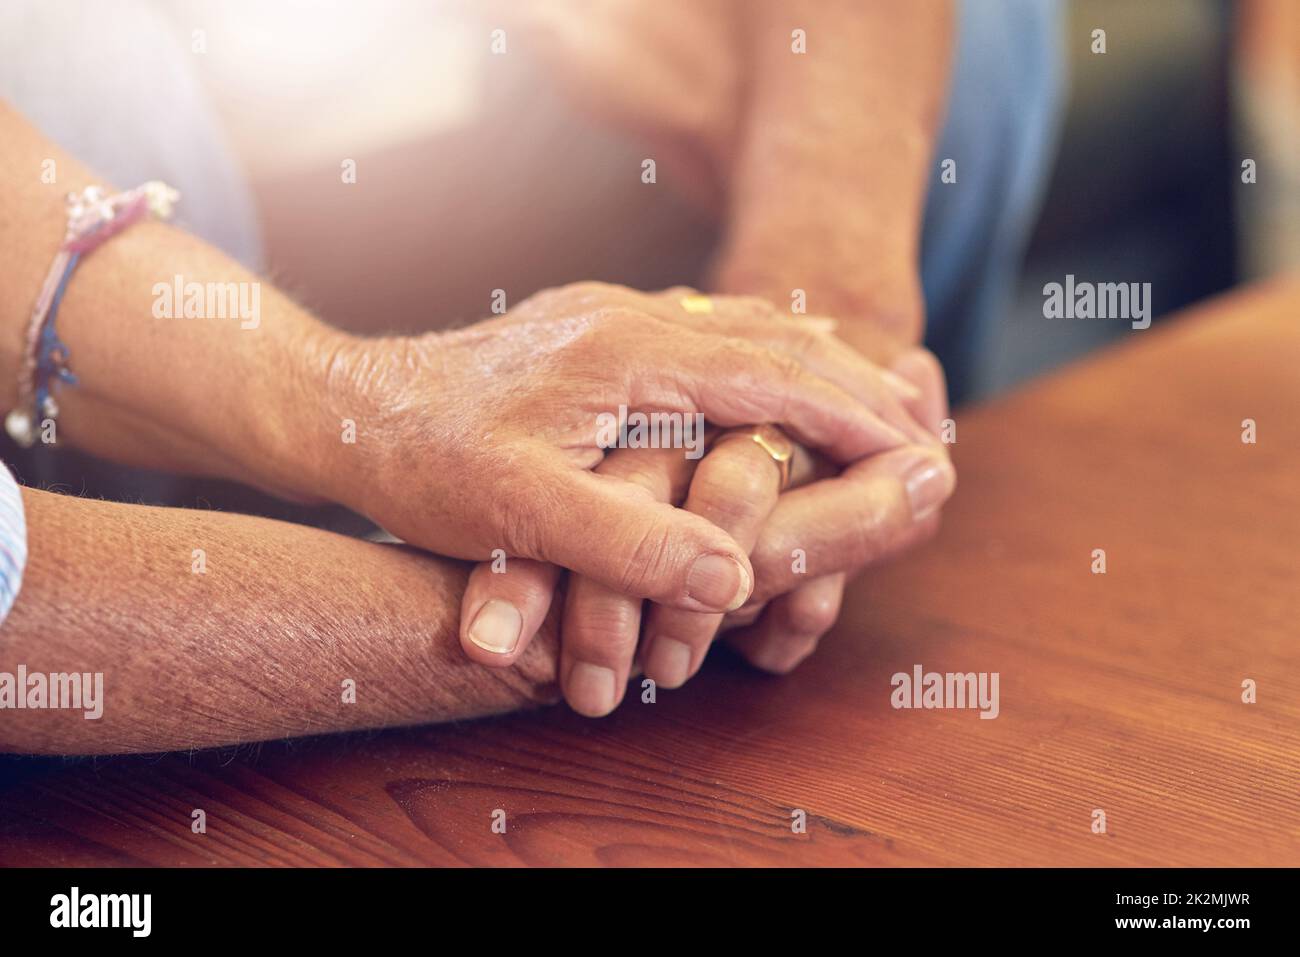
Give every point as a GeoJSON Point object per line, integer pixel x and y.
{"type": "Point", "coordinates": [93, 219]}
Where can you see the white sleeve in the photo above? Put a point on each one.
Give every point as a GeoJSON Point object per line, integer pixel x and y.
{"type": "Point", "coordinates": [13, 541]}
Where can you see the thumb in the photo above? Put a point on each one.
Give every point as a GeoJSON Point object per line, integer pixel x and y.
{"type": "Point", "coordinates": [619, 534]}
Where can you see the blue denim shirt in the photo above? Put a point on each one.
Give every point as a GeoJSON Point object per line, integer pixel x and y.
{"type": "Point", "coordinates": [1004, 108]}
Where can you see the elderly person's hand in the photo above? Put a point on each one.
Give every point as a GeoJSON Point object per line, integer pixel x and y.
{"type": "Point", "coordinates": [778, 634]}
{"type": "Point", "coordinates": [808, 128]}
{"type": "Point", "coordinates": [803, 545]}
{"type": "Point", "coordinates": [483, 441]}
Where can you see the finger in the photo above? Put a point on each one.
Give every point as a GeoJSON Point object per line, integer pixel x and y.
{"type": "Point", "coordinates": [502, 610]}
{"type": "Point", "coordinates": [743, 616]}
{"type": "Point", "coordinates": [790, 628]}
{"type": "Point", "coordinates": [870, 511]}
{"type": "Point", "coordinates": [735, 487]}
{"type": "Point", "coordinates": [808, 467]}
{"type": "Point", "coordinates": [744, 315]}
{"type": "Point", "coordinates": [600, 626]}
{"type": "Point", "coordinates": [808, 339]}
{"type": "Point", "coordinates": [598, 639]}
{"type": "Point", "coordinates": [732, 382]}
{"type": "Point", "coordinates": [920, 367]}
{"type": "Point", "coordinates": [823, 354]}
{"type": "Point", "coordinates": [626, 537]}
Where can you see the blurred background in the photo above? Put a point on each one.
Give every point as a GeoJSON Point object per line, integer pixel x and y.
{"type": "Point", "coordinates": [474, 173]}
{"type": "Point", "coordinates": [1147, 179]}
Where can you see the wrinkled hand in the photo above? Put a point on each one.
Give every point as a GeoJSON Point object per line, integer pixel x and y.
{"type": "Point", "coordinates": [487, 438]}
{"type": "Point", "coordinates": [790, 610]}
{"type": "Point", "coordinates": [877, 507]}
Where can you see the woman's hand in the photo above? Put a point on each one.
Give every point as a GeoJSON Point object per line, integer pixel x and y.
{"type": "Point", "coordinates": [483, 441]}
{"type": "Point", "coordinates": [777, 635]}
{"type": "Point", "coordinates": [264, 645]}
{"type": "Point", "coordinates": [874, 509]}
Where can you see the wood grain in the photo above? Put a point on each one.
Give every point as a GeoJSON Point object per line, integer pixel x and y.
{"type": "Point", "coordinates": [1119, 692]}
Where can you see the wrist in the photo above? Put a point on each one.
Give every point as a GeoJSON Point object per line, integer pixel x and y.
{"type": "Point", "coordinates": [856, 274]}
{"type": "Point", "coordinates": [348, 436]}
{"type": "Point", "coordinates": [295, 428]}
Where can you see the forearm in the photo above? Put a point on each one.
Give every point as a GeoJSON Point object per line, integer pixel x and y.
{"type": "Point", "coordinates": [256, 647]}
{"type": "Point", "coordinates": [829, 181]}
{"type": "Point", "coordinates": [227, 394]}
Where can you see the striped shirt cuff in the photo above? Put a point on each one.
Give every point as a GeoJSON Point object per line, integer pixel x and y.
{"type": "Point", "coordinates": [13, 541]}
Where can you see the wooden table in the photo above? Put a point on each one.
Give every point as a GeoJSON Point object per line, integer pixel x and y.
{"type": "Point", "coordinates": [1119, 692]}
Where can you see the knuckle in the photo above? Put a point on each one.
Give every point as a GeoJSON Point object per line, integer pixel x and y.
{"type": "Point", "coordinates": [678, 292]}
{"type": "Point", "coordinates": [603, 339]}
{"type": "Point", "coordinates": [759, 373]}
{"type": "Point", "coordinates": [646, 484]}
{"type": "Point", "coordinates": [648, 561]}
{"type": "Point", "coordinates": [734, 488]}
{"type": "Point", "coordinates": [802, 342]}
{"type": "Point", "coordinates": [523, 522]}
{"type": "Point", "coordinates": [771, 559]}
{"type": "Point", "coordinates": [758, 305]}
{"type": "Point", "coordinates": [784, 366]}
{"type": "Point", "coordinates": [616, 318]}
{"type": "Point", "coordinates": [602, 631]}
{"type": "Point", "coordinates": [784, 655]}
{"type": "Point", "coordinates": [869, 534]}
{"type": "Point", "coordinates": [541, 301]}
{"type": "Point", "coordinates": [812, 611]}
{"type": "Point", "coordinates": [739, 306]}
{"type": "Point", "coordinates": [588, 291]}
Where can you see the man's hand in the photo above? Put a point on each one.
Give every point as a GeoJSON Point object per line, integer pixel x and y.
{"type": "Point", "coordinates": [485, 438]}
{"type": "Point", "coordinates": [841, 523]}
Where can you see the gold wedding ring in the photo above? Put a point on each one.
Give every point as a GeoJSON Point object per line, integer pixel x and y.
{"type": "Point", "coordinates": [697, 305]}
{"type": "Point", "coordinates": [771, 440]}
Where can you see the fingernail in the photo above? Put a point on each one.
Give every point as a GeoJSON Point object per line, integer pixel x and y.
{"type": "Point", "coordinates": [718, 582]}
{"type": "Point", "coordinates": [669, 662]}
{"type": "Point", "coordinates": [929, 482]}
{"type": "Point", "coordinates": [496, 627]}
{"type": "Point", "coordinates": [901, 386]}
{"type": "Point", "coordinates": [590, 689]}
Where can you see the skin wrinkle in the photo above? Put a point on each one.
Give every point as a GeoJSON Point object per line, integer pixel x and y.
{"type": "Point", "coordinates": [254, 649]}
{"type": "Point", "coordinates": [648, 558]}
{"type": "Point", "coordinates": [852, 248]}
{"type": "Point", "coordinates": [420, 505]}
{"type": "Point", "coordinates": [286, 444]}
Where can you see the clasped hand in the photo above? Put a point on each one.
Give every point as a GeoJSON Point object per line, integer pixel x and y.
{"type": "Point", "coordinates": [491, 449]}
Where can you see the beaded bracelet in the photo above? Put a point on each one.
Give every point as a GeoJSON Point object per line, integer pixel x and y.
{"type": "Point", "coordinates": [92, 219]}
